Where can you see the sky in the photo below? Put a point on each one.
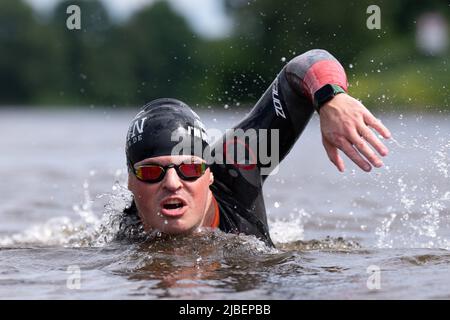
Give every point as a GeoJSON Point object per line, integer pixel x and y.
{"type": "Point", "coordinates": [206, 17]}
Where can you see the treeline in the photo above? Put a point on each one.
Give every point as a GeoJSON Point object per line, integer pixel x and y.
{"type": "Point", "coordinates": [155, 53]}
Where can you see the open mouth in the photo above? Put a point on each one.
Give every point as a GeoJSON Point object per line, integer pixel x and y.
{"type": "Point", "coordinates": [174, 207]}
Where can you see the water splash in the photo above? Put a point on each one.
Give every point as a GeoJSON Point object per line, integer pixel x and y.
{"type": "Point", "coordinates": [290, 229]}
{"type": "Point", "coordinates": [418, 216]}
{"type": "Point", "coordinates": [89, 229]}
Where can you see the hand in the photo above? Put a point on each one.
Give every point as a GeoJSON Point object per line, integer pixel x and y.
{"type": "Point", "coordinates": [345, 124]}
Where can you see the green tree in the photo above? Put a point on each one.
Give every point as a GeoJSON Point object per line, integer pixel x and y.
{"type": "Point", "coordinates": [84, 53]}
{"type": "Point", "coordinates": [24, 52]}
{"type": "Point", "coordinates": [163, 50]}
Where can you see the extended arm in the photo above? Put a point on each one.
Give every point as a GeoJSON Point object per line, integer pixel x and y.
{"type": "Point", "coordinates": [288, 104]}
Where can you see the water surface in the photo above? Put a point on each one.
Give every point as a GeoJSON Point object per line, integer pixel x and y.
{"type": "Point", "coordinates": [63, 187]}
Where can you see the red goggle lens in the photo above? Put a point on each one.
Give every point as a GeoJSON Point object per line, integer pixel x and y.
{"type": "Point", "coordinates": [192, 170]}
{"type": "Point", "coordinates": [149, 173]}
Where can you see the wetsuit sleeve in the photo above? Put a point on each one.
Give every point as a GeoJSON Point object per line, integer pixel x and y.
{"type": "Point", "coordinates": [286, 107]}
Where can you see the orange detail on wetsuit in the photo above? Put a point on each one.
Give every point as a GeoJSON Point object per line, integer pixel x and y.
{"type": "Point", "coordinates": [216, 221]}
{"type": "Point", "coordinates": [322, 73]}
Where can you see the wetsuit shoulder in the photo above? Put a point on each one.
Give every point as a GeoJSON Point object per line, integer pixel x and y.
{"type": "Point", "coordinates": [240, 201]}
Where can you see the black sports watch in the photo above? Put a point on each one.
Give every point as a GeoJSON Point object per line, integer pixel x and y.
{"type": "Point", "coordinates": [326, 93]}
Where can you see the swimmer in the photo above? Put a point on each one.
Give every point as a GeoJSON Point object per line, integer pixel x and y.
{"type": "Point", "coordinates": [182, 192]}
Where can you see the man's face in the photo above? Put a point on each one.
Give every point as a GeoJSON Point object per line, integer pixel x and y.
{"type": "Point", "coordinates": [173, 205]}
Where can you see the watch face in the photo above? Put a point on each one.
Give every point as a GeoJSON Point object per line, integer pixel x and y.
{"type": "Point", "coordinates": [328, 91]}
{"type": "Point", "coordinates": [324, 94]}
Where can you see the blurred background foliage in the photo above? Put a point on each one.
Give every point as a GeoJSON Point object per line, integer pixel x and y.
{"type": "Point", "coordinates": [155, 53]}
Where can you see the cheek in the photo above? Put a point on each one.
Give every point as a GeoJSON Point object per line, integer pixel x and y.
{"type": "Point", "coordinates": [199, 191]}
{"type": "Point", "coordinates": [141, 191]}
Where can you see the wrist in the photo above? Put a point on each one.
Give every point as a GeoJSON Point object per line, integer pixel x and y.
{"type": "Point", "coordinates": [325, 94]}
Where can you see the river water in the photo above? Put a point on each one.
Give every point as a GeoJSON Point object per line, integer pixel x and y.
{"type": "Point", "coordinates": [356, 235]}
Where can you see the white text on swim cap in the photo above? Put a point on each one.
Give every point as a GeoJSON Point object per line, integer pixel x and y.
{"type": "Point", "coordinates": [136, 129]}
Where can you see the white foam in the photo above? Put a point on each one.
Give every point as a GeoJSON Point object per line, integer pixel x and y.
{"type": "Point", "coordinates": [89, 229]}
{"type": "Point", "coordinates": [290, 229]}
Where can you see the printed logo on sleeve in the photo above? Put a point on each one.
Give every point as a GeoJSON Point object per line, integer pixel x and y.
{"type": "Point", "coordinates": [276, 100]}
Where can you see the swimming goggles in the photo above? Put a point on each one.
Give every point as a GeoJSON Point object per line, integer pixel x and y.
{"type": "Point", "coordinates": [153, 173]}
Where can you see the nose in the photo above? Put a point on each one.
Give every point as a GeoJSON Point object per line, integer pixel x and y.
{"type": "Point", "coordinates": [172, 181]}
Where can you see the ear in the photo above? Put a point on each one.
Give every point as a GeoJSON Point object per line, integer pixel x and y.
{"type": "Point", "coordinates": [131, 181]}
{"type": "Point", "coordinates": [211, 178]}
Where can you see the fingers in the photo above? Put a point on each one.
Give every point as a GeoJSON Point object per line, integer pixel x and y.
{"type": "Point", "coordinates": [370, 137]}
{"type": "Point", "coordinates": [353, 154]}
{"type": "Point", "coordinates": [373, 122]}
{"type": "Point", "coordinates": [361, 145]}
{"type": "Point", "coordinates": [334, 156]}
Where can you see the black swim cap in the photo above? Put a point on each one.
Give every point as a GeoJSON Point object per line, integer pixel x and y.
{"type": "Point", "coordinates": [161, 127]}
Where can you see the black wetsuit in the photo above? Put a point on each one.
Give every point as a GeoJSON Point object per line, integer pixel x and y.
{"type": "Point", "coordinates": [287, 106]}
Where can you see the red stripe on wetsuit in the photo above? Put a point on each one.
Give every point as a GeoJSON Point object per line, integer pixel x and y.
{"type": "Point", "coordinates": [321, 73]}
